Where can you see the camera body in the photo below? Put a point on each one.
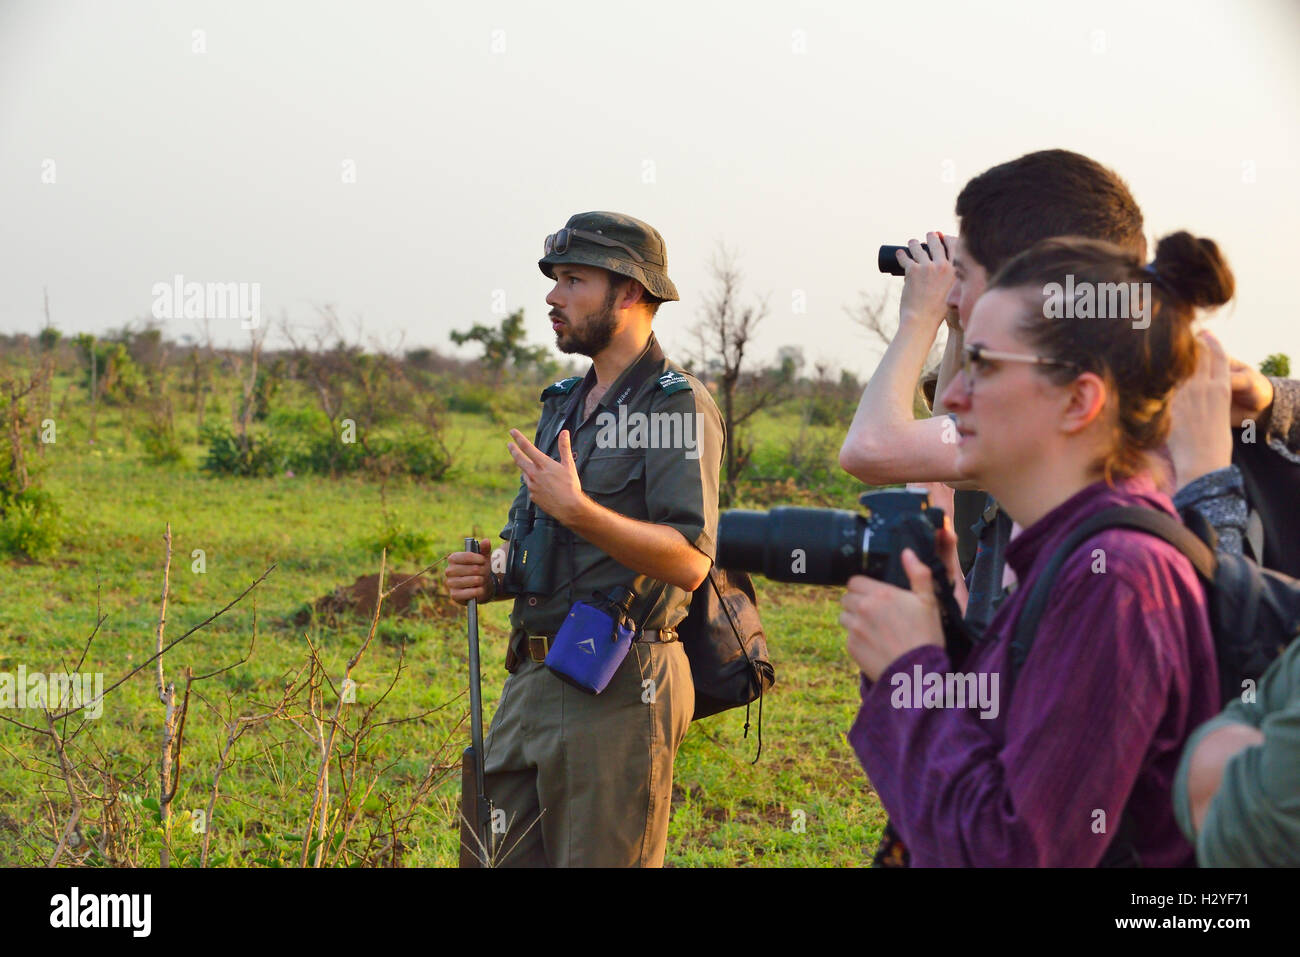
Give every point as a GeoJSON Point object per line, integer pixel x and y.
{"type": "Point", "coordinates": [529, 570]}
{"type": "Point", "coordinates": [823, 546]}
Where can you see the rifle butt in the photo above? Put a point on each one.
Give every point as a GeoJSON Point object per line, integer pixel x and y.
{"type": "Point", "coordinates": [471, 855]}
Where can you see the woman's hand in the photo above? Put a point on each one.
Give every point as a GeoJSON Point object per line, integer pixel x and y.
{"type": "Point", "coordinates": [884, 622]}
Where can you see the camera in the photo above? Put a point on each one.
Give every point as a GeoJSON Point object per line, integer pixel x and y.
{"type": "Point", "coordinates": [529, 570]}
{"type": "Point", "coordinates": [825, 546]}
{"type": "Point", "coordinates": [888, 261]}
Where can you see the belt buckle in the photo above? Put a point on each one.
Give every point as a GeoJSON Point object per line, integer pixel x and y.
{"type": "Point", "coordinates": [538, 646]}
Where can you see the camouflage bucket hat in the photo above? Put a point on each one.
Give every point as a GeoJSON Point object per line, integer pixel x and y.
{"type": "Point", "coordinates": [615, 242]}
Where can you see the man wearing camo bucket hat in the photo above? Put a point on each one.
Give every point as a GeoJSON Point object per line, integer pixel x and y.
{"type": "Point", "coordinates": [625, 461]}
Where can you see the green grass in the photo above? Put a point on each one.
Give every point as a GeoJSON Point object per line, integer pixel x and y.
{"type": "Point", "coordinates": [318, 531]}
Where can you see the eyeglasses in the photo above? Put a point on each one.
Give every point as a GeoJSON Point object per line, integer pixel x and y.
{"type": "Point", "coordinates": [975, 361]}
{"type": "Point", "coordinates": [558, 243]}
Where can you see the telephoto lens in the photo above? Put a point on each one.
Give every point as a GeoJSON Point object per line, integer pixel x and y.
{"type": "Point", "coordinates": [825, 546]}
{"type": "Point", "coordinates": [811, 545]}
{"type": "Point", "coordinates": [888, 261]}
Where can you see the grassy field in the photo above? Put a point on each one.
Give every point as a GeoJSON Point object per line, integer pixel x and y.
{"type": "Point", "coordinates": [805, 803]}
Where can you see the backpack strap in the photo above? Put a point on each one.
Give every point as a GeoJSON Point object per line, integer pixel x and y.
{"type": "Point", "coordinates": [1147, 520]}
{"type": "Point", "coordinates": [1252, 537]}
{"type": "Point", "coordinates": [1197, 548]}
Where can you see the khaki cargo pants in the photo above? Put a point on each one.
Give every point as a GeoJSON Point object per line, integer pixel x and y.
{"type": "Point", "coordinates": [586, 780]}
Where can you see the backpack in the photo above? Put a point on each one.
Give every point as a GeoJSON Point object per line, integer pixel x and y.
{"type": "Point", "coordinates": [1254, 612]}
{"type": "Point", "coordinates": [725, 645]}
{"type": "Point", "coordinates": [1270, 482]}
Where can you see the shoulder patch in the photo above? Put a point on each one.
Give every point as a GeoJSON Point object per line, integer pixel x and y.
{"type": "Point", "coordinates": [671, 382]}
{"type": "Point", "coordinates": [563, 387]}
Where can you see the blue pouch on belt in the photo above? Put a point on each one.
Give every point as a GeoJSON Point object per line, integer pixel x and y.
{"type": "Point", "coordinates": [593, 641]}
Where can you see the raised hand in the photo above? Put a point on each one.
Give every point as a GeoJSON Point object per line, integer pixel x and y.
{"type": "Point", "coordinates": [554, 486]}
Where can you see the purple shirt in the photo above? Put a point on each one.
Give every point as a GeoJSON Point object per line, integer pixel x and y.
{"type": "Point", "coordinates": [1121, 672]}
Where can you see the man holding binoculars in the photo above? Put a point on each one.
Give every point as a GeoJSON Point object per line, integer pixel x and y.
{"type": "Point", "coordinates": [609, 521]}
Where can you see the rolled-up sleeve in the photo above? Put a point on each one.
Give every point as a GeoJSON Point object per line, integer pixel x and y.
{"type": "Point", "coordinates": [1220, 497]}
{"type": "Point", "coordinates": [682, 478]}
{"type": "Point", "coordinates": [1283, 434]}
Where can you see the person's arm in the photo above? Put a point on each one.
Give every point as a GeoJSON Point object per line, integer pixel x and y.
{"type": "Point", "coordinates": [1073, 742]}
{"type": "Point", "coordinates": [655, 550]}
{"type": "Point", "coordinates": [659, 551]}
{"type": "Point", "coordinates": [1283, 432]}
{"type": "Point", "coordinates": [1200, 415]}
{"type": "Point", "coordinates": [1199, 447]}
{"type": "Point", "coordinates": [1211, 754]}
{"type": "Point", "coordinates": [1271, 403]}
{"type": "Point", "coordinates": [885, 445]}
{"type": "Point", "coordinates": [1237, 788]}
{"type": "Point", "coordinates": [1220, 497]}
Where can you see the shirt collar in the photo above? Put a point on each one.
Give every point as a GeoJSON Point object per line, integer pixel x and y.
{"type": "Point", "coordinates": [650, 355]}
{"type": "Point", "coordinates": [1042, 537]}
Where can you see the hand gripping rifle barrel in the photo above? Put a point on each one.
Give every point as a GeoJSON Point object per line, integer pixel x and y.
{"type": "Point", "coordinates": [476, 810]}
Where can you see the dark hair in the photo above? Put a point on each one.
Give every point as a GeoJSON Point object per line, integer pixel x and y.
{"type": "Point", "coordinates": [1008, 208]}
{"type": "Point", "coordinates": [618, 282]}
{"type": "Point", "coordinates": [1140, 366]}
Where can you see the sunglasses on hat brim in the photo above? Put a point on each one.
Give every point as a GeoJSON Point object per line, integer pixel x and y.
{"type": "Point", "coordinates": [558, 243]}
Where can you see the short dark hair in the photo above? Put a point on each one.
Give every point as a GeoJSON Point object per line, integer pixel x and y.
{"type": "Point", "coordinates": [618, 282]}
{"type": "Point", "coordinates": [1008, 208]}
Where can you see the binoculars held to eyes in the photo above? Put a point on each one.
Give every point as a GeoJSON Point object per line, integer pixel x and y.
{"type": "Point", "coordinates": [888, 261]}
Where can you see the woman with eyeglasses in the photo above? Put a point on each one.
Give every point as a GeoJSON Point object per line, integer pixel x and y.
{"type": "Point", "coordinates": [1061, 409]}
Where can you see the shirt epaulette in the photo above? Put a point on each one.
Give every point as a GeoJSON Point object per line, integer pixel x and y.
{"type": "Point", "coordinates": [671, 382]}
{"type": "Point", "coordinates": [563, 387]}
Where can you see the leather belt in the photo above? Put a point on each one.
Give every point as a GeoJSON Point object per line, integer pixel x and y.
{"type": "Point", "coordinates": [539, 645]}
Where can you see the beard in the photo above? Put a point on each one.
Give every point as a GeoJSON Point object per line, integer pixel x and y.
{"type": "Point", "coordinates": [594, 334]}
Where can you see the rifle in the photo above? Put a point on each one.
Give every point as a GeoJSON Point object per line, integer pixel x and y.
{"type": "Point", "coordinates": [476, 837]}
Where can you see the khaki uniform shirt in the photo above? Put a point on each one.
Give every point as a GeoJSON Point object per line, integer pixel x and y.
{"type": "Point", "coordinates": [653, 454]}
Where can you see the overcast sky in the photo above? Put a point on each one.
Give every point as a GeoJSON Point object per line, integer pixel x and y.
{"type": "Point", "coordinates": [133, 149]}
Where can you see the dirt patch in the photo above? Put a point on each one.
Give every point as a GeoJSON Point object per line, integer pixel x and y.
{"type": "Point", "coordinates": [422, 597]}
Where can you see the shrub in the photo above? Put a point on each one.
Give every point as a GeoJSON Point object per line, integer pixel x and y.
{"type": "Point", "coordinates": [227, 456]}
{"type": "Point", "coordinates": [805, 470]}
{"type": "Point", "coordinates": [158, 436]}
{"type": "Point", "coordinates": [474, 399]}
{"type": "Point", "coordinates": [1277, 365]}
{"type": "Point", "coordinates": [30, 525]}
{"type": "Point", "coordinates": [327, 455]}
{"type": "Point", "coordinates": [161, 447]}
{"type": "Point", "coordinates": [401, 542]}
{"type": "Point", "coordinates": [304, 420]}
{"type": "Point", "coordinates": [420, 456]}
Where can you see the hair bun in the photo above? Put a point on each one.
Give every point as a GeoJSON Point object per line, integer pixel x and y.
{"type": "Point", "coordinates": [1193, 270]}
